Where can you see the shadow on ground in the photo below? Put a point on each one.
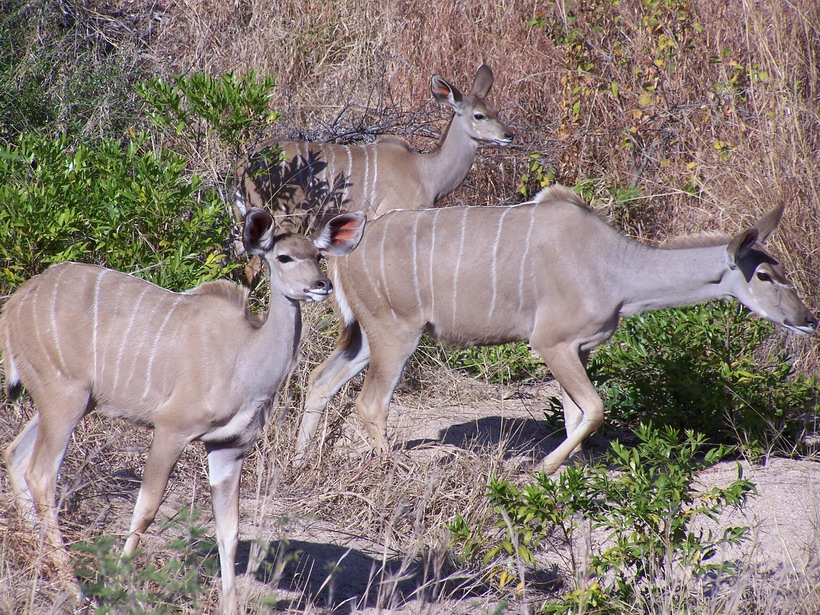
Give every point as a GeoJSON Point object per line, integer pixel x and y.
{"type": "Point", "coordinates": [345, 579]}
{"type": "Point", "coordinates": [518, 437]}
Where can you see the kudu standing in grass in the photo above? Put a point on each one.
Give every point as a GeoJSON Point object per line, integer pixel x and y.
{"type": "Point", "coordinates": [551, 272]}
{"type": "Point", "coordinates": [314, 180]}
{"type": "Point", "coordinates": [192, 366]}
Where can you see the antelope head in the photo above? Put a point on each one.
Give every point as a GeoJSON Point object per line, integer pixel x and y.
{"type": "Point", "coordinates": [478, 118]}
{"type": "Point", "coordinates": [759, 280]}
{"type": "Point", "coordinates": [294, 260]}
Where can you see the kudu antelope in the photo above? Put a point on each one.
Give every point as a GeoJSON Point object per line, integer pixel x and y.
{"type": "Point", "coordinates": [192, 366]}
{"type": "Point", "coordinates": [312, 180]}
{"type": "Point", "coordinates": [549, 271]}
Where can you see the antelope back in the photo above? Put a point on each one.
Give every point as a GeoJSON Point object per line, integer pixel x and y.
{"type": "Point", "coordinates": [304, 183]}
{"type": "Point", "coordinates": [475, 274]}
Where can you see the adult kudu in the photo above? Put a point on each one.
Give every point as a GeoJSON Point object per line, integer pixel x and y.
{"type": "Point", "coordinates": [550, 271]}
{"type": "Point", "coordinates": [313, 180]}
{"type": "Point", "coordinates": [192, 366]}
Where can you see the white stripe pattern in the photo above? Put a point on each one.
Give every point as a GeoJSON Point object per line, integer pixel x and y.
{"type": "Point", "coordinates": [383, 279]}
{"type": "Point", "coordinates": [60, 357]}
{"type": "Point", "coordinates": [365, 180]}
{"type": "Point", "coordinates": [494, 260]}
{"type": "Point", "coordinates": [432, 286]}
{"type": "Point", "coordinates": [348, 183]}
{"type": "Point", "coordinates": [155, 346]}
{"type": "Point", "coordinates": [375, 180]}
{"type": "Point", "coordinates": [95, 322]}
{"type": "Point", "coordinates": [125, 345]}
{"type": "Point", "coordinates": [415, 259]}
{"type": "Point", "coordinates": [36, 322]}
{"type": "Point", "coordinates": [458, 261]}
{"type": "Point", "coordinates": [525, 254]}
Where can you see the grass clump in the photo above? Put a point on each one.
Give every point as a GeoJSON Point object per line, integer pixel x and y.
{"type": "Point", "coordinates": [645, 504]}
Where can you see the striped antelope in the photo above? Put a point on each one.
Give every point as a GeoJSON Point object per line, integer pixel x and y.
{"type": "Point", "coordinates": [192, 366]}
{"type": "Point", "coordinates": [549, 271]}
{"type": "Point", "coordinates": [314, 179]}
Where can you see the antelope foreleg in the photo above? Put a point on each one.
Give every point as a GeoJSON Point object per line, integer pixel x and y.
{"type": "Point", "coordinates": [585, 412]}
{"type": "Point", "coordinates": [60, 407]}
{"type": "Point", "coordinates": [18, 457]}
{"type": "Point", "coordinates": [224, 469]}
{"type": "Point", "coordinates": [388, 357]}
{"type": "Point", "coordinates": [165, 450]}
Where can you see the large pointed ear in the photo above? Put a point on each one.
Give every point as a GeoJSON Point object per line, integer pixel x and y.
{"type": "Point", "coordinates": [483, 81]}
{"type": "Point", "coordinates": [768, 223]}
{"type": "Point", "coordinates": [740, 245]}
{"type": "Point", "coordinates": [342, 233]}
{"type": "Point", "coordinates": [257, 236]}
{"type": "Point", "coordinates": [444, 92]}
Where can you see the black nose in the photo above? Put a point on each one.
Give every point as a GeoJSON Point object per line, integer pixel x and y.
{"type": "Point", "coordinates": [509, 135]}
{"type": "Point", "coordinates": [322, 284]}
{"type": "Point", "coordinates": [812, 321]}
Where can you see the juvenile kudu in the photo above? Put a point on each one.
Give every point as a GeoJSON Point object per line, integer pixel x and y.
{"type": "Point", "coordinates": [312, 180]}
{"type": "Point", "coordinates": [551, 272]}
{"type": "Point", "coordinates": [192, 366]}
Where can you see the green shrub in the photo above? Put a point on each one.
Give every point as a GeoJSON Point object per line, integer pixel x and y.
{"type": "Point", "coordinates": [125, 585]}
{"type": "Point", "coordinates": [703, 368]}
{"type": "Point", "coordinates": [502, 363]}
{"type": "Point", "coordinates": [645, 501]}
{"type": "Point", "coordinates": [129, 207]}
{"type": "Point", "coordinates": [234, 109]}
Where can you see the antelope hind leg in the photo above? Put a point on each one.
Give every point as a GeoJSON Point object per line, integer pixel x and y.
{"type": "Point", "coordinates": [387, 360]}
{"type": "Point", "coordinates": [568, 369]}
{"type": "Point", "coordinates": [349, 358]}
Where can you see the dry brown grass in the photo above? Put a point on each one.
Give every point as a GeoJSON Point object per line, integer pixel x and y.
{"type": "Point", "coordinates": [716, 116]}
{"type": "Point", "coordinates": [353, 69]}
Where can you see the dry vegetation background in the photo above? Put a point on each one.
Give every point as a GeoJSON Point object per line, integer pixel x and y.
{"type": "Point", "coordinates": [710, 110]}
{"type": "Point", "coordinates": [675, 117]}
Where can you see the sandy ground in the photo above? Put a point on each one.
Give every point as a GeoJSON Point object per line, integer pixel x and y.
{"type": "Point", "coordinates": [784, 515]}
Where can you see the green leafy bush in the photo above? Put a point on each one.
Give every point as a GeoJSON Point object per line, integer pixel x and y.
{"type": "Point", "coordinates": [130, 207]}
{"type": "Point", "coordinates": [235, 109]}
{"type": "Point", "coordinates": [645, 501]}
{"type": "Point", "coordinates": [125, 585]}
{"type": "Point", "coordinates": [704, 368]}
{"type": "Point", "coordinates": [502, 363]}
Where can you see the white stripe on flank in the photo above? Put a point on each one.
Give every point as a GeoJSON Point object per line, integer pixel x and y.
{"type": "Point", "coordinates": [494, 261]}
{"type": "Point", "coordinates": [35, 320]}
{"type": "Point", "coordinates": [330, 172]}
{"type": "Point", "coordinates": [155, 346]}
{"type": "Point", "coordinates": [416, 217]}
{"type": "Point", "coordinates": [363, 187]}
{"type": "Point", "coordinates": [348, 183]}
{"type": "Point", "coordinates": [95, 323]}
{"type": "Point", "coordinates": [383, 280]}
{"type": "Point", "coordinates": [374, 181]}
{"type": "Point", "coordinates": [525, 254]}
{"type": "Point", "coordinates": [54, 297]}
{"type": "Point", "coordinates": [124, 347]}
{"type": "Point", "coordinates": [458, 261]}
{"type": "Point", "coordinates": [432, 314]}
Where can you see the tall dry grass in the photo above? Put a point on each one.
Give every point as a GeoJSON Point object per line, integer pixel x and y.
{"type": "Point", "coordinates": [716, 116]}
{"type": "Point", "coordinates": [711, 111]}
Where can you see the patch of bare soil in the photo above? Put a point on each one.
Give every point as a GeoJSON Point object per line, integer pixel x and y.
{"type": "Point", "coordinates": [318, 561]}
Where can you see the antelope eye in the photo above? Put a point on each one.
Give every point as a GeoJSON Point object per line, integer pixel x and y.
{"type": "Point", "coordinates": [284, 258]}
{"type": "Point", "coordinates": [480, 116]}
{"type": "Point", "coordinates": [763, 276]}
